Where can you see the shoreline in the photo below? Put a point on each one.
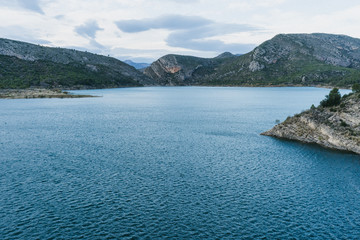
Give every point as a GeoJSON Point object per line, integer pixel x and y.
{"type": "Point", "coordinates": [29, 93]}
{"type": "Point", "coordinates": [38, 93]}
{"type": "Point", "coordinates": [334, 127]}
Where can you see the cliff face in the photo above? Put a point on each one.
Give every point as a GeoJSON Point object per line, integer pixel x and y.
{"type": "Point", "coordinates": [184, 70]}
{"type": "Point", "coordinates": [296, 59]}
{"type": "Point", "coordinates": [24, 65]}
{"type": "Point", "coordinates": [332, 127]}
{"type": "Point", "coordinates": [287, 59]}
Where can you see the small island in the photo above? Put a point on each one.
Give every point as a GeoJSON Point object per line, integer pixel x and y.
{"type": "Point", "coordinates": [37, 93]}
{"type": "Point", "coordinates": [334, 124]}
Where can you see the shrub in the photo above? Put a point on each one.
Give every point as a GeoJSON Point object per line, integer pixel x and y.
{"type": "Point", "coordinates": [343, 124]}
{"type": "Point", "coordinates": [347, 95]}
{"type": "Point", "coordinates": [333, 99]}
{"type": "Point", "coordinates": [356, 88]}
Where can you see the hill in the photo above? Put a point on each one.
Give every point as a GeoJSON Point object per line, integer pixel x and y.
{"type": "Point", "coordinates": [184, 70]}
{"type": "Point", "coordinates": [26, 65]}
{"type": "Point", "coordinates": [287, 59]}
{"type": "Point", "coordinates": [137, 65]}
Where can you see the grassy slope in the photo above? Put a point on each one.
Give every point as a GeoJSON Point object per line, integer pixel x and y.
{"type": "Point", "coordinates": [295, 64]}
{"type": "Point", "coordinates": [300, 72]}
{"type": "Point", "coordinates": [17, 73]}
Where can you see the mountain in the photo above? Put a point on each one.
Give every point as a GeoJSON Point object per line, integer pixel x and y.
{"type": "Point", "coordinates": [296, 59]}
{"type": "Point", "coordinates": [137, 65]}
{"type": "Point", "coordinates": [27, 65]}
{"type": "Point", "coordinates": [184, 70]}
{"type": "Point", "coordinates": [336, 127]}
{"type": "Point", "coordinates": [286, 59]}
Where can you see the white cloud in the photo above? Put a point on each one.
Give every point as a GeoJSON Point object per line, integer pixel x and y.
{"type": "Point", "coordinates": [53, 22]}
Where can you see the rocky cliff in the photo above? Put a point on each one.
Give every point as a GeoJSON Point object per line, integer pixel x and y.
{"type": "Point", "coordinates": [287, 59]}
{"type": "Point", "coordinates": [296, 59]}
{"type": "Point", "coordinates": [336, 127]}
{"type": "Point", "coordinates": [24, 65]}
{"type": "Point", "coordinates": [184, 70]}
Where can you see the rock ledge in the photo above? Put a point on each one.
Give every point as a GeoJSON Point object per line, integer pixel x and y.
{"type": "Point", "coordinates": [332, 127]}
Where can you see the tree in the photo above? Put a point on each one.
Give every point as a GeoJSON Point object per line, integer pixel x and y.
{"type": "Point", "coordinates": [356, 88]}
{"type": "Point", "coordinates": [333, 99]}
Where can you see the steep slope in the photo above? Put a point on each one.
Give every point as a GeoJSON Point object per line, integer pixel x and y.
{"type": "Point", "coordinates": [24, 65]}
{"type": "Point", "coordinates": [332, 127]}
{"type": "Point", "coordinates": [295, 59]}
{"type": "Point", "coordinates": [184, 70]}
{"type": "Point", "coordinates": [287, 59]}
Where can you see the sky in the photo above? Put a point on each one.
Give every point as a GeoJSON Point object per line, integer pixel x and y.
{"type": "Point", "coordinates": [144, 30]}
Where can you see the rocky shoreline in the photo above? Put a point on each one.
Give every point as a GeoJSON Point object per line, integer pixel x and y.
{"type": "Point", "coordinates": [335, 127]}
{"type": "Point", "coordinates": [37, 93]}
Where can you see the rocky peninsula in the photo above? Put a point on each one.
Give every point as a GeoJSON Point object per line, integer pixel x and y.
{"type": "Point", "coordinates": [37, 93]}
{"type": "Point", "coordinates": [336, 127]}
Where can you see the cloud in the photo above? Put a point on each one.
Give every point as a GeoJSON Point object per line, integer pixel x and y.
{"type": "Point", "coordinates": [184, 1]}
{"type": "Point", "coordinates": [95, 44]}
{"type": "Point", "coordinates": [170, 22]}
{"type": "Point", "coordinates": [88, 29]}
{"type": "Point", "coordinates": [191, 32]}
{"type": "Point", "coordinates": [22, 34]}
{"type": "Point", "coordinates": [32, 5]}
{"type": "Point", "coordinates": [198, 38]}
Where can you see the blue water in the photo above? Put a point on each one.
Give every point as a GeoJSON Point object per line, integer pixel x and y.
{"type": "Point", "coordinates": [175, 162]}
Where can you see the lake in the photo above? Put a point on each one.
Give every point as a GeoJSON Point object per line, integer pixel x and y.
{"type": "Point", "coordinates": [171, 162]}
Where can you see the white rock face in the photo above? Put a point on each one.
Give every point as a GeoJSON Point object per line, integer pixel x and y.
{"type": "Point", "coordinates": [255, 66]}
{"type": "Point", "coordinates": [338, 129]}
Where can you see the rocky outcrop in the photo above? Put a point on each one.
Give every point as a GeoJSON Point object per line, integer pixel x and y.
{"type": "Point", "coordinates": [38, 93]}
{"type": "Point", "coordinates": [184, 70]}
{"type": "Point", "coordinates": [55, 67]}
{"type": "Point", "coordinates": [286, 59]}
{"type": "Point", "coordinates": [332, 127]}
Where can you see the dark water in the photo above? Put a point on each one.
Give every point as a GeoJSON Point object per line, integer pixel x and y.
{"type": "Point", "coordinates": [182, 163]}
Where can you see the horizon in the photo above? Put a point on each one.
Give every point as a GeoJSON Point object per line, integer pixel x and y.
{"type": "Point", "coordinates": [141, 31]}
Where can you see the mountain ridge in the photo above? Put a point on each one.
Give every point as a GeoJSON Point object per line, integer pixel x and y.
{"type": "Point", "coordinates": [173, 69]}
{"type": "Point", "coordinates": [137, 65]}
{"type": "Point", "coordinates": [316, 59]}
{"type": "Point", "coordinates": [25, 65]}
{"type": "Point", "coordinates": [286, 59]}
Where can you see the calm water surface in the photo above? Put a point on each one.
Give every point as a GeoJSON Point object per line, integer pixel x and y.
{"type": "Point", "coordinates": [181, 162]}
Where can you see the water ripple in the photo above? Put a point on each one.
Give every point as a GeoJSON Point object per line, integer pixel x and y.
{"type": "Point", "coordinates": [158, 165]}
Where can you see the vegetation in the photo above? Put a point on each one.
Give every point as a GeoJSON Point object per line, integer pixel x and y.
{"type": "Point", "coordinates": [333, 99]}
{"type": "Point", "coordinates": [356, 88]}
{"type": "Point", "coordinates": [16, 73]}
{"type": "Point", "coordinates": [285, 60]}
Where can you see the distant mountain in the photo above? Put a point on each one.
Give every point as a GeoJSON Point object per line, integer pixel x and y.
{"type": "Point", "coordinates": [287, 59]}
{"type": "Point", "coordinates": [225, 55]}
{"type": "Point", "coordinates": [137, 65]}
{"type": "Point", "coordinates": [184, 70]}
{"type": "Point", "coordinates": [295, 59]}
{"type": "Point", "coordinates": [27, 65]}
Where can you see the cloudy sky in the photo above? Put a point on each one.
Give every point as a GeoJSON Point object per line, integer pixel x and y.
{"type": "Point", "coordinates": [143, 30]}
